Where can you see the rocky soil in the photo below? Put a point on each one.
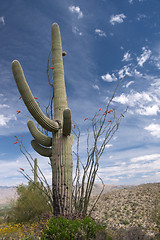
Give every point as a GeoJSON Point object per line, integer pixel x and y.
{"type": "Point", "coordinates": [128, 207]}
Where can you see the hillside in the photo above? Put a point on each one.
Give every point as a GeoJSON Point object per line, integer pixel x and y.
{"type": "Point", "coordinates": [128, 207]}
{"type": "Point", "coordinates": [6, 194]}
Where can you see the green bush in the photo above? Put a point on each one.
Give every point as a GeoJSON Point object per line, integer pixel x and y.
{"type": "Point", "coordinates": [31, 203]}
{"type": "Point", "coordinates": [61, 228]}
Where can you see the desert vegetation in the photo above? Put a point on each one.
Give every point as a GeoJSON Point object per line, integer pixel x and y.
{"type": "Point", "coordinates": [131, 213]}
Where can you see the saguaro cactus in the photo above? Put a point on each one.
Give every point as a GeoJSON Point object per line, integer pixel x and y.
{"type": "Point", "coordinates": [59, 147]}
{"type": "Point", "coordinates": [35, 171]}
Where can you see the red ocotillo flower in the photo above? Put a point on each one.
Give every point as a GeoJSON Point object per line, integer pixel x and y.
{"type": "Point", "coordinates": [35, 98]}
{"type": "Point", "coordinates": [109, 121]}
{"type": "Point", "coordinates": [15, 136]}
{"type": "Point", "coordinates": [20, 97]}
{"type": "Point", "coordinates": [15, 142]}
{"type": "Point", "coordinates": [85, 119]}
{"type": "Point", "coordinates": [21, 135]}
{"type": "Point", "coordinates": [51, 67]}
{"type": "Point", "coordinates": [18, 112]}
{"type": "Point", "coordinates": [22, 169]}
{"type": "Point", "coordinates": [122, 115]}
{"type": "Point", "coordinates": [100, 109]}
{"type": "Point", "coordinates": [110, 111]}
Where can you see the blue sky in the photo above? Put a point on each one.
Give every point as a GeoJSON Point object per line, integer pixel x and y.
{"type": "Point", "coordinates": [104, 40]}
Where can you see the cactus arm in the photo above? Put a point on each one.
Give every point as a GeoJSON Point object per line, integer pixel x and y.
{"type": "Point", "coordinates": [46, 152]}
{"type": "Point", "coordinates": [29, 100]}
{"type": "Point", "coordinates": [60, 98]}
{"type": "Point", "coordinates": [67, 122]}
{"type": "Point", "coordinates": [38, 136]}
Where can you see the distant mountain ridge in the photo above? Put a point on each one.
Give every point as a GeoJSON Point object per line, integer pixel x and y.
{"type": "Point", "coordinates": [7, 193]}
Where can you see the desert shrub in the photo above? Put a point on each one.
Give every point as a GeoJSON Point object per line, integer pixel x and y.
{"type": "Point", "coordinates": [133, 233]}
{"type": "Point", "coordinates": [62, 228]}
{"type": "Point", "coordinates": [31, 203]}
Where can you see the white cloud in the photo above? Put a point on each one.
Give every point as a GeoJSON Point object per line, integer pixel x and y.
{"type": "Point", "coordinates": [137, 73]}
{"type": "Point", "coordinates": [134, 98]}
{"type": "Point", "coordinates": [128, 84]}
{"type": "Point", "coordinates": [95, 87]}
{"type": "Point", "coordinates": [76, 10]}
{"type": "Point", "coordinates": [109, 78]}
{"type": "Point", "coordinates": [145, 158]}
{"type": "Point", "coordinates": [151, 110]}
{"type": "Point", "coordinates": [101, 33]}
{"type": "Point", "coordinates": [144, 56]}
{"type": "Point", "coordinates": [154, 129]}
{"type": "Point", "coordinates": [130, 1]}
{"type": "Point", "coordinates": [76, 31]}
{"type": "Point", "coordinates": [2, 20]}
{"type": "Point", "coordinates": [119, 18]}
{"type": "Point", "coordinates": [125, 71]}
{"type": "Point", "coordinates": [4, 120]}
{"type": "Point", "coordinates": [126, 57]}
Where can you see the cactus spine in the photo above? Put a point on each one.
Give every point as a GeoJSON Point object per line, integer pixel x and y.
{"type": "Point", "coordinates": [59, 147]}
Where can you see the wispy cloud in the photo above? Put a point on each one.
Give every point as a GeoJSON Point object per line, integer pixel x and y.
{"type": "Point", "coordinates": [95, 87]}
{"type": "Point", "coordinates": [126, 57]}
{"type": "Point", "coordinates": [100, 32]}
{"type": "Point", "coordinates": [119, 18]}
{"type": "Point", "coordinates": [76, 10]}
{"type": "Point", "coordinates": [145, 165]}
{"type": "Point", "coordinates": [109, 78]}
{"type": "Point", "coordinates": [141, 16]}
{"type": "Point", "coordinates": [128, 84]}
{"type": "Point", "coordinates": [76, 31]}
{"type": "Point", "coordinates": [145, 158]}
{"type": "Point", "coordinates": [144, 56]}
{"type": "Point", "coordinates": [4, 106]}
{"type": "Point", "coordinates": [2, 20]}
{"type": "Point", "coordinates": [125, 71]}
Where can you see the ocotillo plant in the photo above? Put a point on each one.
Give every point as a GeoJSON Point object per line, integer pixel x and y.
{"type": "Point", "coordinates": [59, 147]}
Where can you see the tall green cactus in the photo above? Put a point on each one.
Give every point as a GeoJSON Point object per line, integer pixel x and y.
{"type": "Point", "coordinates": [35, 171]}
{"type": "Point", "coordinates": [59, 147]}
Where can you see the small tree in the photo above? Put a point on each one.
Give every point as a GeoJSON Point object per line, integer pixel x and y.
{"type": "Point", "coordinates": [31, 203]}
{"type": "Point", "coordinates": [66, 199]}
